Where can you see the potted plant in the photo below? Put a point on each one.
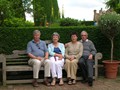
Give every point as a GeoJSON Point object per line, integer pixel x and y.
{"type": "Point", "coordinates": [109, 24]}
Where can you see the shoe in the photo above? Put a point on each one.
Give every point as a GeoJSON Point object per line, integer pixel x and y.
{"type": "Point", "coordinates": [74, 81]}
{"type": "Point", "coordinates": [46, 83]}
{"type": "Point", "coordinates": [90, 81]}
{"type": "Point", "coordinates": [53, 83]}
{"type": "Point", "coordinates": [61, 83]}
{"type": "Point", "coordinates": [84, 81]}
{"type": "Point", "coordinates": [69, 82]}
{"type": "Point", "coordinates": [90, 84]}
{"type": "Point", "coordinates": [35, 84]}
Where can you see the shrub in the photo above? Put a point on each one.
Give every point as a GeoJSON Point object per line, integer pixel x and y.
{"type": "Point", "coordinates": [69, 22]}
{"type": "Point", "coordinates": [87, 23]}
{"type": "Point", "coordinates": [17, 22]}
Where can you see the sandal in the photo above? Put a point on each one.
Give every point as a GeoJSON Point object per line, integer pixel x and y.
{"type": "Point", "coordinates": [74, 81]}
{"type": "Point", "coordinates": [53, 83]}
{"type": "Point", "coordinates": [69, 82]}
{"type": "Point", "coordinates": [61, 83]}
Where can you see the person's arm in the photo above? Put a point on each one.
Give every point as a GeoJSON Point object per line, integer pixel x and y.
{"type": "Point", "coordinates": [46, 51]}
{"type": "Point", "coordinates": [80, 52]}
{"type": "Point", "coordinates": [66, 53]}
{"type": "Point", "coordinates": [66, 44]}
{"type": "Point", "coordinates": [62, 48]}
{"type": "Point", "coordinates": [34, 57]}
{"type": "Point", "coordinates": [46, 55]}
{"type": "Point", "coordinates": [93, 51]}
{"type": "Point", "coordinates": [50, 49]}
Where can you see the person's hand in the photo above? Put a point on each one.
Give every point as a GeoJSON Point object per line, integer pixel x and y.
{"type": "Point", "coordinates": [39, 58]}
{"type": "Point", "coordinates": [45, 58]}
{"type": "Point", "coordinates": [66, 45]}
{"type": "Point", "coordinates": [60, 57]}
{"type": "Point", "coordinates": [71, 58]}
{"type": "Point", "coordinates": [90, 57]}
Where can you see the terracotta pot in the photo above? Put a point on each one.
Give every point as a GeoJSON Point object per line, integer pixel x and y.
{"type": "Point", "coordinates": [111, 68]}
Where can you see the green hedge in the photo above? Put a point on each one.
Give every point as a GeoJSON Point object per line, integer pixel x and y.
{"type": "Point", "coordinates": [69, 22]}
{"type": "Point", "coordinates": [87, 23]}
{"type": "Point", "coordinates": [17, 38]}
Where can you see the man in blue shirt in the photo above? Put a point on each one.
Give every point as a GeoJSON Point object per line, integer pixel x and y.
{"type": "Point", "coordinates": [38, 53]}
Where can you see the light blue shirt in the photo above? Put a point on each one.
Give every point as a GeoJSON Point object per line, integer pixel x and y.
{"type": "Point", "coordinates": [37, 49]}
{"type": "Point", "coordinates": [60, 46]}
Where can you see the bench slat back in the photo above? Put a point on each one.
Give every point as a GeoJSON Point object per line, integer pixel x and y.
{"type": "Point", "coordinates": [19, 57]}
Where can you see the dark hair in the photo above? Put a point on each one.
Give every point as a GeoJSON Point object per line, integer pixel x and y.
{"type": "Point", "coordinates": [73, 33]}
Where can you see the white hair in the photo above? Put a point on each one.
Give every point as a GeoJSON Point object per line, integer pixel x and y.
{"type": "Point", "coordinates": [84, 32]}
{"type": "Point", "coordinates": [55, 33]}
{"type": "Point", "coordinates": [36, 32]}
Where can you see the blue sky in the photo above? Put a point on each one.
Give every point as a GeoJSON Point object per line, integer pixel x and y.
{"type": "Point", "coordinates": [79, 9]}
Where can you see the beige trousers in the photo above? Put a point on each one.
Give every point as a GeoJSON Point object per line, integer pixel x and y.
{"type": "Point", "coordinates": [71, 68]}
{"type": "Point", "coordinates": [36, 64]}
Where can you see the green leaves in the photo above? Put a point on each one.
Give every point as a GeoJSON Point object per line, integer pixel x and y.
{"type": "Point", "coordinates": [17, 22]}
{"type": "Point", "coordinates": [45, 11]}
{"type": "Point", "coordinates": [110, 24]}
{"type": "Point", "coordinates": [114, 5]}
{"type": "Point", "coordinates": [69, 22]}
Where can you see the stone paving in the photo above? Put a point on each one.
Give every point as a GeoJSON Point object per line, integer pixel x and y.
{"type": "Point", "coordinates": [100, 84]}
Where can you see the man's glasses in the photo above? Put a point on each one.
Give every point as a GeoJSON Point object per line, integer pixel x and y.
{"type": "Point", "coordinates": [38, 46]}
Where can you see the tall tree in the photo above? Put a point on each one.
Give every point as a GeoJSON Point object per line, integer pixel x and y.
{"type": "Point", "coordinates": [113, 4]}
{"type": "Point", "coordinates": [55, 10]}
{"type": "Point", "coordinates": [45, 11]}
{"type": "Point", "coordinates": [38, 12]}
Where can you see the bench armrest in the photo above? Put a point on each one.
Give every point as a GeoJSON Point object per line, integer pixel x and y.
{"type": "Point", "coordinates": [98, 56]}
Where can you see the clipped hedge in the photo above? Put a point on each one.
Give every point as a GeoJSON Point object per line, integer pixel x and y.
{"type": "Point", "coordinates": [87, 23]}
{"type": "Point", "coordinates": [17, 38]}
{"type": "Point", "coordinates": [69, 22]}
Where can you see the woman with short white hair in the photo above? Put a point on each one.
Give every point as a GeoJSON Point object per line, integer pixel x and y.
{"type": "Point", "coordinates": [56, 51]}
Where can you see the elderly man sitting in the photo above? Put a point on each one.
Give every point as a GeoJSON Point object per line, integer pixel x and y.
{"type": "Point", "coordinates": [86, 62]}
{"type": "Point", "coordinates": [38, 53]}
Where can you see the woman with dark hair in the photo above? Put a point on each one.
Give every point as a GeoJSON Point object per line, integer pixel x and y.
{"type": "Point", "coordinates": [73, 52]}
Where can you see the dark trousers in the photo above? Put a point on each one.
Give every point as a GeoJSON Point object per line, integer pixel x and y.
{"type": "Point", "coordinates": [86, 67]}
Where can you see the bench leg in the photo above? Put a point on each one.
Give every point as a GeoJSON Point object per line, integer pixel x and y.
{"type": "Point", "coordinates": [4, 74]}
{"type": "Point", "coordinates": [96, 72]}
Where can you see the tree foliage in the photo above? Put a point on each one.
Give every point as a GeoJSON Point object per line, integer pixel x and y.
{"type": "Point", "coordinates": [113, 4]}
{"type": "Point", "coordinates": [45, 11]}
{"type": "Point", "coordinates": [14, 9]}
{"type": "Point", "coordinates": [109, 24]}
{"type": "Point", "coordinates": [6, 10]}
{"type": "Point", "coordinates": [18, 8]}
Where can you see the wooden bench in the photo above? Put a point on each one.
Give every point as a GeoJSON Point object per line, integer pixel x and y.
{"type": "Point", "coordinates": [18, 61]}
